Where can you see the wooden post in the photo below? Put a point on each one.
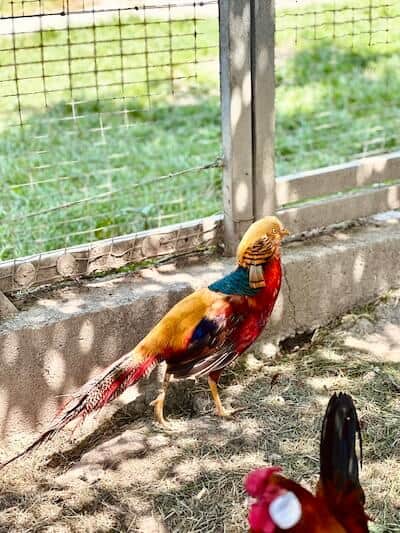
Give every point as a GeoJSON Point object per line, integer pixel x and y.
{"type": "Point", "coordinates": [236, 110]}
{"type": "Point", "coordinates": [247, 108]}
{"type": "Point", "coordinates": [263, 102]}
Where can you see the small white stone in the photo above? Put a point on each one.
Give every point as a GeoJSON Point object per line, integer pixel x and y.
{"type": "Point", "coordinates": [285, 510]}
{"type": "Point", "coordinates": [269, 350]}
{"type": "Point", "coordinates": [278, 400]}
{"type": "Point", "coordinates": [252, 363]}
{"type": "Point", "coordinates": [348, 319]}
{"type": "Point", "coordinates": [369, 376]}
{"type": "Point", "coordinates": [274, 458]}
{"type": "Point", "coordinates": [200, 494]}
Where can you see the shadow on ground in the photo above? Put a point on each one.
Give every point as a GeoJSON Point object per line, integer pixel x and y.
{"type": "Point", "coordinates": [128, 475]}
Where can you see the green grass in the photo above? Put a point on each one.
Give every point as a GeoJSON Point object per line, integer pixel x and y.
{"type": "Point", "coordinates": [158, 121]}
{"type": "Point", "coordinates": [114, 172]}
{"type": "Point", "coordinates": [337, 98]}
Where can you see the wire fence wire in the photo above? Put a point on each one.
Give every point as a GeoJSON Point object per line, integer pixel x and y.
{"type": "Point", "coordinates": [109, 119]}
{"type": "Point", "coordinates": [337, 81]}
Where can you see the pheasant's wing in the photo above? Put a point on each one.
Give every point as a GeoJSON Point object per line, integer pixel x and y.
{"type": "Point", "coordinates": [211, 346]}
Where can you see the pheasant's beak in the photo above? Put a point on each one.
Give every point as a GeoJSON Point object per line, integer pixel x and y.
{"type": "Point", "coordinates": [284, 232]}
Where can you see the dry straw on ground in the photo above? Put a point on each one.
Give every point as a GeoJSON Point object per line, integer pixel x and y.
{"type": "Point", "coordinates": [129, 475]}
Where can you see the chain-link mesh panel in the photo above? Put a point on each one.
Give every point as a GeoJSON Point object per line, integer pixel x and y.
{"type": "Point", "coordinates": [337, 69]}
{"type": "Point", "coordinates": [109, 119]}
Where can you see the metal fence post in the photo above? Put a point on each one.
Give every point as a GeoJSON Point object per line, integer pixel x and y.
{"type": "Point", "coordinates": [247, 109]}
{"type": "Point", "coordinates": [236, 111]}
{"type": "Point", "coordinates": [263, 104]}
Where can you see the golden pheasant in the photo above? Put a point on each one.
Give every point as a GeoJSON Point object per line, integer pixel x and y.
{"type": "Point", "coordinates": [200, 335]}
{"type": "Point", "coordinates": [338, 506]}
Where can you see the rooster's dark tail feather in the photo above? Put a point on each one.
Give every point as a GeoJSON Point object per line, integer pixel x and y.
{"type": "Point", "coordinates": [340, 427]}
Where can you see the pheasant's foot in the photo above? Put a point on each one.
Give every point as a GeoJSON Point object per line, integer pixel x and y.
{"type": "Point", "coordinates": [158, 405]}
{"type": "Point", "coordinates": [229, 413]}
{"type": "Point", "coordinates": [165, 425]}
{"type": "Point", "coordinates": [219, 408]}
{"type": "Point", "coordinates": [222, 412]}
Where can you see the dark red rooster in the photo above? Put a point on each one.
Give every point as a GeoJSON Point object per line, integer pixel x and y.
{"type": "Point", "coordinates": [338, 505]}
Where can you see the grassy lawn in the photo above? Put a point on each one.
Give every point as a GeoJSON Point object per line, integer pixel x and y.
{"type": "Point", "coordinates": [337, 79]}
{"type": "Point", "coordinates": [145, 105]}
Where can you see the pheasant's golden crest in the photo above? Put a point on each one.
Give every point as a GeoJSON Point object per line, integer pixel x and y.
{"type": "Point", "coordinates": [259, 244]}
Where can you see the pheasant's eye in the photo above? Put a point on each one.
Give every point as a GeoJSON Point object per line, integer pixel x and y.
{"type": "Point", "coordinates": [274, 230]}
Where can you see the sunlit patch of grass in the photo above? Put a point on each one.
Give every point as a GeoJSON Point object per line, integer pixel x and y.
{"type": "Point", "coordinates": [337, 98]}
{"type": "Point", "coordinates": [102, 128]}
{"type": "Point", "coordinates": [110, 169]}
{"type": "Point", "coordinates": [337, 92]}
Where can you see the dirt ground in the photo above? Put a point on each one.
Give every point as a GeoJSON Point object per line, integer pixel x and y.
{"type": "Point", "coordinates": [129, 475]}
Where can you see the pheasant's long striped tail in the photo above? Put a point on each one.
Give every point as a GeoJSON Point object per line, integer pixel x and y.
{"type": "Point", "coordinates": [95, 394]}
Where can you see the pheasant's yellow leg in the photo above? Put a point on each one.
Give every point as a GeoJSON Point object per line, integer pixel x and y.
{"type": "Point", "coordinates": [158, 403]}
{"type": "Point", "coordinates": [221, 411]}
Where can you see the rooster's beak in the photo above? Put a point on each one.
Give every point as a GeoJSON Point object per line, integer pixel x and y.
{"type": "Point", "coordinates": [284, 232]}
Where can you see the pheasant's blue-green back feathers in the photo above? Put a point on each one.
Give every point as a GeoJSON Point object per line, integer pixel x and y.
{"type": "Point", "coordinates": [237, 282]}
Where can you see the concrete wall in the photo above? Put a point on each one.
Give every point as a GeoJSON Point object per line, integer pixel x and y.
{"type": "Point", "coordinates": [61, 338]}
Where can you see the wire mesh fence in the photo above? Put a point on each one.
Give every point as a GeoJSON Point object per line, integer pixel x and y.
{"type": "Point", "coordinates": [109, 119]}
{"type": "Point", "coordinates": [337, 68]}
{"type": "Point", "coordinates": [110, 115]}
